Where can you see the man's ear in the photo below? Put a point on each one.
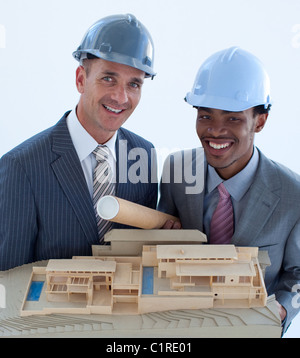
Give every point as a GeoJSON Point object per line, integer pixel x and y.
{"type": "Point", "coordinates": [80, 79]}
{"type": "Point", "coordinates": [261, 120]}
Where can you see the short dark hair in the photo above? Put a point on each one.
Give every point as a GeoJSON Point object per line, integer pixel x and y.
{"type": "Point", "coordinates": [86, 63]}
{"type": "Point", "coordinates": [261, 109]}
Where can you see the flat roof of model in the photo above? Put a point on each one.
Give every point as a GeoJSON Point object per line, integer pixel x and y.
{"type": "Point", "coordinates": [83, 265]}
{"type": "Point", "coordinates": [155, 235]}
{"type": "Point", "coordinates": [233, 269]}
{"type": "Point", "coordinates": [196, 252]}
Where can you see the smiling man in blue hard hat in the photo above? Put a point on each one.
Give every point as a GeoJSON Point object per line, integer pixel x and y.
{"type": "Point", "coordinates": [51, 183]}
{"type": "Point", "coordinates": [247, 200]}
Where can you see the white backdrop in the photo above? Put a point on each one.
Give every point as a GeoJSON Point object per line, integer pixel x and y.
{"type": "Point", "coordinates": [37, 70]}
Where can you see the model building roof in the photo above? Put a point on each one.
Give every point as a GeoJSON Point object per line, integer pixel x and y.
{"type": "Point", "coordinates": [83, 265]}
{"type": "Point", "coordinates": [234, 269]}
{"type": "Point", "coordinates": [129, 235]}
{"type": "Point", "coordinates": [196, 252]}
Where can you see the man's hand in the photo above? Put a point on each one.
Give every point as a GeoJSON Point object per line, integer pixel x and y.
{"type": "Point", "coordinates": [170, 224]}
{"type": "Point", "coordinates": [282, 311]}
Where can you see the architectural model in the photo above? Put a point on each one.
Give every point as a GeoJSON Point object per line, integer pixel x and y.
{"type": "Point", "coordinates": [147, 283]}
{"type": "Point", "coordinates": [165, 277]}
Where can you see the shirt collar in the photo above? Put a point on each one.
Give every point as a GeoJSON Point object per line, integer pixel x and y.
{"type": "Point", "coordinates": [83, 142]}
{"type": "Point", "coordinates": [238, 184]}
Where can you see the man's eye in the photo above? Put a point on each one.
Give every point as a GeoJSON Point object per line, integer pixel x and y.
{"type": "Point", "coordinates": [204, 117]}
{"type": "Point", "coordinates": [107, 79]}
{"type": "Point", "coordinates": [134, 85]}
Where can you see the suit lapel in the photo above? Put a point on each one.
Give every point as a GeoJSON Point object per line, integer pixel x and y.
{"type": "Point", "coordinates": [196, 201]}
{"type": "Point", "coordinates": [262, 201]}
{"type": "Point", "coordinates": [121, 170]}
{"type": "Point", "coordinates": [124, 189]}
{"type": "Point", "coordinates": [69, 174]}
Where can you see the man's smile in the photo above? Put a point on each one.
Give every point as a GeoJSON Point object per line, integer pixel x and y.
{"type": "Point", "coordinates": [113, 110]}
{"type": "Point", "coordinates": [217, 146]}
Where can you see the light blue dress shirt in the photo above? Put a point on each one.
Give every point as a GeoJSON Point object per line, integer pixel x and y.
{"type": "Point", "coordinates": [237, 186]}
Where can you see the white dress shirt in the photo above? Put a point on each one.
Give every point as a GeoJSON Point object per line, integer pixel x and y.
{"type": "Point", "coordinates": [84, 144]}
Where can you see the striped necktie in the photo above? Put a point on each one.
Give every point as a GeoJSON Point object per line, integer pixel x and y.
{"type": "Point", "coordinates": [102, 185]}
{"type": "Point", "coordinates": [222, 226]}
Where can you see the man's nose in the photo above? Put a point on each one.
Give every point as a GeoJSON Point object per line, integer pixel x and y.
{"type": "Point", "coordinates": [216, 129]}
{"type": "Point", "coordinates": [120, 94]}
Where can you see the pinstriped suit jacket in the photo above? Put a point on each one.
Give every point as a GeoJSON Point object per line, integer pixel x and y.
{"type": "Point", "coordinates": [45, 207]}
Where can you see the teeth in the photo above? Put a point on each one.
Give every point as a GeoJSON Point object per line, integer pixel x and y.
{"type": "Point", "coordinates": [219, 146]}
{"type": "Point", "coordinates": [113, 109]}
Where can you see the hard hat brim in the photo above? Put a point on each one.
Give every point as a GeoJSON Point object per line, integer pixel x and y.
{"type": "Point", "coordinates": [222, 103]}
{"type": "Point", "coordinates": [117, 58]}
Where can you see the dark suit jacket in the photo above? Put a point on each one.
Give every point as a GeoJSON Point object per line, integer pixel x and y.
{"type": "Point", "coordinates": [45, 207]}
{"type": "Point", "coordinates": [270, 221]}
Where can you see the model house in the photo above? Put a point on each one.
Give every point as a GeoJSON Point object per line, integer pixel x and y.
{"type": "Point", "coordinates": [163, 278]}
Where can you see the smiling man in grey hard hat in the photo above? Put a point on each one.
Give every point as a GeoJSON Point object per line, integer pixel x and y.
{"type": "Point", "coordinates": [111, 88]}
{"type": "Point", "coordinates": [248, 199]}
{"type": "Point", "coordinates": [50, 184]}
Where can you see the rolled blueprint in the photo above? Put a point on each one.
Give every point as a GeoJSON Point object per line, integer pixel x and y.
{"type": "Point", "coordinates": [128, 213]}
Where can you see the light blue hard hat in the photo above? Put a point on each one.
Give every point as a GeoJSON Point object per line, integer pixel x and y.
{"type": "Point", "coordinates": [119, 38]}
{"type": "Point", "coordinates": [231, 80]}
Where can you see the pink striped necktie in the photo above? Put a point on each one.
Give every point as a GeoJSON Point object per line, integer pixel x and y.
{"type": "Point", "coordinates": [102, 185]}
{"type": "Point", "coordinates": [221, 226]}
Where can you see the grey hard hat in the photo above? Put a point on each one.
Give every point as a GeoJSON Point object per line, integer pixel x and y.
{"type": "Point", "coordinates": [119, 38]}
